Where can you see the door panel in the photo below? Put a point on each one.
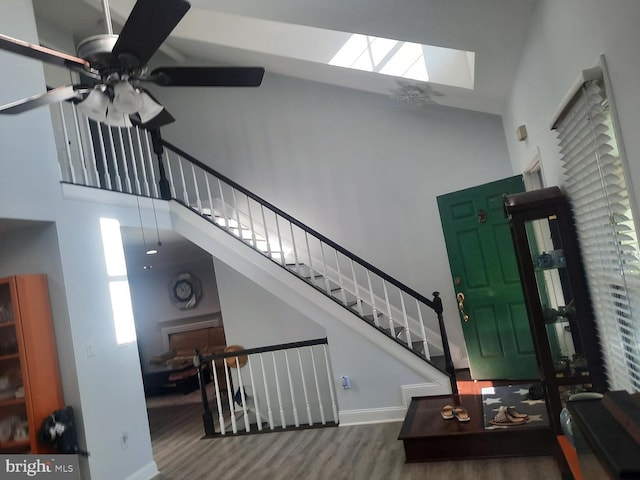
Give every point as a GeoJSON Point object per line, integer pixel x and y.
{"type": "Point", "coordinates": [482, 261]}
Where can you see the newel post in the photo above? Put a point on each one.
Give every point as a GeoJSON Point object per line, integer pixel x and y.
{"type": "Point", "coordinates": [437, 306]}
{"type": "Point", "coordinates": [163, 183]}
{"type": "Point", "coordinates": [207, 415]}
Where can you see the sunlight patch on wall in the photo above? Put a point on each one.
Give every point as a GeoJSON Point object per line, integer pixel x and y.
{"type": "Point", "coordinates": [122, 310]}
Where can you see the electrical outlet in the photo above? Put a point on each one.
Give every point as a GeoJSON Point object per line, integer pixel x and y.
{"type": "Point", "coordinates": [124, 439]}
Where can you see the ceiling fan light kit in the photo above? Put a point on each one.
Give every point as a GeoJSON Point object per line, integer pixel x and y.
{"type": "Point", "coordinates": [95, 105]}
{"type": "Point", "coordinates": [118, 62]}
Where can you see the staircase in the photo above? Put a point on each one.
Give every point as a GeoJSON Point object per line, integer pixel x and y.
{"type": "Point", "coordinates": [139, 162]}
{"type": "Point", "coordinates": [401, 314]}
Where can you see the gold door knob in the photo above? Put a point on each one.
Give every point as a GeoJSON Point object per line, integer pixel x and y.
{"type": "Point", "coordinates": [460, 297]}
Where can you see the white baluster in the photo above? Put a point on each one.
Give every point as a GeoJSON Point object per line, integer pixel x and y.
{"type": "Point", "coordinates": [196, 189]}
{"type": "Point", "coordinates": [386, 299]}
{"type": "Point", "coordinates": [209, 196]}
{"type": "Point", "coordinates": [327, 284]}
{"type": "Point", "coordinates": [293, 397]}
{"type": "Point", "coordinates": [304, 388]}
{"type": "Point", "coordinates": [143, 165]}
{"type": "Point", "coordinates": [236, 206]}
{"type": "Point", "coordinates": [224, 207]}
{"type": "Point", "coordinates": [315, 377]}
{"type": "Point", "coordinates": [279, 235]}
{"type": "Point", "coordinates": [114, 159]}
{"type": "Point", "coordinates": [76, 126]}
{"type": "Point", "coordinates": [169, 172]}
{"type": "Point", "coordinates": [185, 193]}
{"type": "Point", "coordinates": [295, 250]}
{"type": "Point", "coordinates": [312, 273]}
{"type": "Point", "coordinates": [103, 151]}
{"type": "Point", "coordinates": [94, 161]}
{"type": "Point", "coordinates": [232, 410]}
{"type": "Point", "coordinates": [65, 133]}
{"type": "Point", "coordinates": [343, 294]}
{"type": "Point", "coordinates": [125, 165]}
{"type": "Point", "coordinates": [256, 404]}
{"type": "Point", "coordinates": [406, 320]}
{"type": "Point", "coordinates": [134, 163]}
{"type": "Point", "coordinates": [427, 355]}
{"type": "Point", "coordinates": [279, 392]}
{"type": "Point", "coordinates": [218, 395]}
{"type": "Point", "coordinates": [334, 403]}
{"type": "Point", "coordinates": [373, 302]}
{"type": "Point", "coordinates": [357, 289]}
{"type": "Point", "coordinates": [266, 233]}
{"type": "Point", "coordinates": [266, 392]}
{"type": "Point", "coordinates": [243, 398]}
{"type": "Point", "coordinates": [251, 226]}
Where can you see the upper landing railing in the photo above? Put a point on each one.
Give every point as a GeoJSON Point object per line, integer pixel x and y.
{"type": "Point", "coordinates": [139, 162]}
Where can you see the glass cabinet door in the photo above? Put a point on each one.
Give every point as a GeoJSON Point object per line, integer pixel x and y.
{"type": "Point", "coordinates": [556, 298]}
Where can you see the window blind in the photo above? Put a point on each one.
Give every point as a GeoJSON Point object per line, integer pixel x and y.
{"type": "Point", "coordinates": [596, 187]}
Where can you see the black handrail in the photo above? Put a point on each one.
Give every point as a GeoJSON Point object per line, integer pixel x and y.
{"type": "Point", "coordinates": [270, 348]}
{"type": "Point", "coordinates": [435, 306]}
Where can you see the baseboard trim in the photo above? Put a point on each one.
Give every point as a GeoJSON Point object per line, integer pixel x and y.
{"type": "Point", "coordinates": [423, 390]}
{"type": "Point", "coordinates": [148, 472]}
{"type": "Point", "coordinates": [368, 416]}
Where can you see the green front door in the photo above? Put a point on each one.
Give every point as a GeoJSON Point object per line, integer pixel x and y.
{"type": "Point", "coordinates": [483, 265]}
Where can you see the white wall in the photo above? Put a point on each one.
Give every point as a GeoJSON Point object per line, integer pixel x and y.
{"type": "Point", "coordinates": [564, 38]}
{"type": "Point", "coordinates": [360, 168]}
{"type": "Point", "coordinates": [30, 189]}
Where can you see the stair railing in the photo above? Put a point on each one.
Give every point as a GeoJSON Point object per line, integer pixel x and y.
{"type": "Point", "coordinates": [138, 162]}
{"type": "Point", "coordinates": [381, 300]}
{"type": "Point", "coordinates": [278, 387]}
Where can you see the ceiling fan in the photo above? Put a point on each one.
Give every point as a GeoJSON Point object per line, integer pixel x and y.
{"type": "Point", "coordinates": [116, 67]}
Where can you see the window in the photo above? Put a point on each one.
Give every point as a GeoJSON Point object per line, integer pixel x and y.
{"type": "Point", "coordinates": [596, 187]}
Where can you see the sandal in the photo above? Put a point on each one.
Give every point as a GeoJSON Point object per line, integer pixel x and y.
{"type": "Point", "coordinates": [515, 413]}
{"type": "Point", "coordinates": [461, 414]}
{"type": "Point", "coordinates": [504, 419]}
{"type": "Point", "coordinates": [447, 412]}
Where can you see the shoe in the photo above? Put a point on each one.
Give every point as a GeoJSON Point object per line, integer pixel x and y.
{"type": "Point", "coordinates": [447, 412]}
{"type": "Point", "coordinates": [516, 414]}
{"type": "Point", "coordinates": [461, 414]}
{"type": "Point", "coordinates": [504, 419]}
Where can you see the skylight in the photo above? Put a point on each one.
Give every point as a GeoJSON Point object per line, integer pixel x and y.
{"type": "Point", "coordinates": [342, 50]}
{"type": "Point", "coordinates": [382, 55]}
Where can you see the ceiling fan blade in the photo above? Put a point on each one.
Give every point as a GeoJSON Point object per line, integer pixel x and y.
{"type": "Point", "coordinates": [208, 76]}
{"type": "Point", "coordinates": [43, 54]}
{"type": "Point", "coordinates": [148, 25]}
{"type": "Point", "coordinates": [56, 95]}
{"type": "Point", "coordinates": [160, 120]}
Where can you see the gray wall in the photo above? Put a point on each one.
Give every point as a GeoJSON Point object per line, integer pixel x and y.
{"type": "Point", "coordinates": [360, 168]}
{"type": "Point", "coordinates": [565, 38]}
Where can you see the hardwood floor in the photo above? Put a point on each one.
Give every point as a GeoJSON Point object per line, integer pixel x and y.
{"type": "Point", "coordinates": [368, 452]}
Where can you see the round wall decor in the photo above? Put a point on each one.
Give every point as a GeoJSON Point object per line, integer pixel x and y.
{"type": "Point", "coordinates": [185, 291]}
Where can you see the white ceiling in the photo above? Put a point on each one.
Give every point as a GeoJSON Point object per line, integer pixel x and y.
{"type": "Point", "coordinates": [226, 32]}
